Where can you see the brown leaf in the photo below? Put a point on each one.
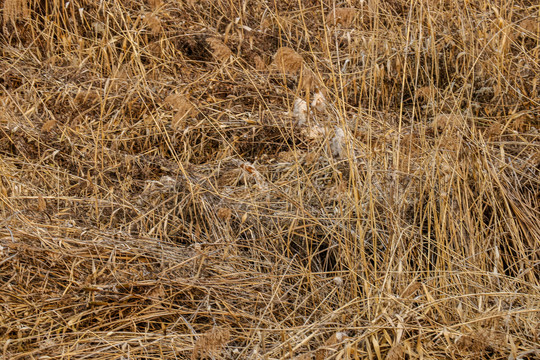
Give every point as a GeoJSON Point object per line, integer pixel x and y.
{"type": "Point", "coordinates": [410, 289]}
{"type": "Point", "coordinates": [287, 60]}
{"type": "Point", "coordinates": [529, 27]}
{"type": "Point", "coordinates": [48, 126]}
{"type": "Point", "coordinates": [220, 51]}
{"type": "Point", "coordinates": [153, 23]}
{"type": "Point", "coordinates": [395, 353]}
{"type": "Point", "coordinates": [341, 16]}
{"type": "Point", "coordinates": [330, 345]}
{"type": "Point", "coordinates": [185, 110]}
{"type": "Point", "coordinates": [259, 63]}
{"type": "Point", "coordinates": [447, 122]}
{"type": "Point", "coordinates": [15, 10]}
{"type": "Point", "coordinates": [426, 93]}
{"type": "Point", "coordinates": [224, 213]}
{"type": "Point", "coordinates": [154, 4]}
{"type": "Point", "coordinates": [211, 343]}
{"type": "Point", "coordinates": [308, 80]}
{"type": "Point", "coordinates": [42, 205]}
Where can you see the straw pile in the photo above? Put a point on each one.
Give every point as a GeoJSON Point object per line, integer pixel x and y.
{"type": "Point", "coordinates": [269, 180]}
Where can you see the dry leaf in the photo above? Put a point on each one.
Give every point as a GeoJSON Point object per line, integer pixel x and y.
{"type": "Point", "coordinates": [287, 156]}
{"type": "Point", "coordinates": [529, 27]}
{"type": "Point", "coordinates": [336, 145]}
{"type": "Point", "coordinates": [330, 346]}
{"type": "Point", "coordinates": [167, 182]}
{"type": "Point", "coordinates": [15, 10]}
{"type": "Point", "coordinates": [287, 60]}
{"type": "Point", "coordinates": [300, 111]}
{"type": "Point", "coordinates": [410, 290]}
{"type": "Point", "coordinates": [185, 110]}
{"type": "Point", "coordinates": [157, 295]}
{"type": "Point", "coordinates": [155, 49]}
{"type": "Point", "coordinates": [308, 80]}
{"type": "Point", "coordinates": [175, 100]}
{"type": "Point", "coordinates": [249, 168]}
{"type": "Point", "coordinates": [395, 353]}
{"type": "Point", "coordinates": [154, 4]}
{"type": "Point", "coordinates": [319, 101]}
{"type": "Point", "coordinates": [447, 122]}
{"type": "Point", "coordinates": [178, 121]}
{"type": "Point", "coordinates": [48, 126]}
{"type": "Point", "coordinates": [314, 132]}
{"type": "Point", "coordinates": [42, 205]}
{"type": "Point", "coordinates": [341, 16]}
{"type": "Point", "coordinates": [220, 51]}
{"type": "Point", "coordinates": [211, 343]}
{"type": "Point", "coordinates": [153, 23]}
{"type": "Point", "coordinates": [224, 213]}
{"type": "Point", "coordinates": [306, 356]}
{"type": "Point", "coordinates": [252, 170]}
{"type": "Point", "coordinates": [259, 63]}
{"type": "Point", "coordinates": [426, 93]}
{"type": "Point", "coordinates": [478, 343]}
{"type": "Point", "coordinates": [88, 97]}
{"type": "Point", "coordinates": [496, 129]}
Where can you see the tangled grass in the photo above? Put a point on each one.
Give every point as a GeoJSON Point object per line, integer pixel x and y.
{"type": "Point", "coordinates": [270, 179]}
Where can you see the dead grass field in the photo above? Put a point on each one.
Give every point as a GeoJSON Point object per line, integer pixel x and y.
{"type": "Point", "coordinates": [270, 179]}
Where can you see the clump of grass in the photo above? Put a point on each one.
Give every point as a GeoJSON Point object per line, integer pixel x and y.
{"type": "Point", "coordinates": [289, 180]}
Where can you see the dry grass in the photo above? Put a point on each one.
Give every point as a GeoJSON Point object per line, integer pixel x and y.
{"type": "Point", "coordinates": [162, 196]}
